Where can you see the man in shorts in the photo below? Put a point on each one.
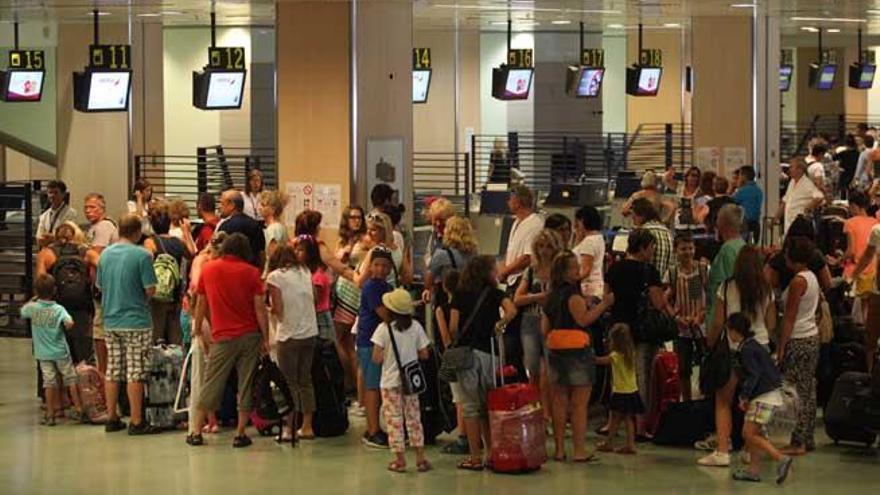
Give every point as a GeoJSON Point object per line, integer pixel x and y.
{"type": "Point", "coordinates": [127, 282]}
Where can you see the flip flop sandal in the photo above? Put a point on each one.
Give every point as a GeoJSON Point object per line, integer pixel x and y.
{"type": "Point", "coordinates": [469, 465]}
{"type": "Point", "coordinates": [560, 458]}
{"type": "Point", "coordinates": [397, 467]}
{"type": "Point", "coordinates": [424, 467]}
{"type": "Point", "coordinates": [585, 460]}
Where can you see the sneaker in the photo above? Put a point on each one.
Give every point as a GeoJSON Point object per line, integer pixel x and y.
{"type": "Point", "coordinates": [195, 439]}
{"type": "Point", "coordinates": [744, 475]}
{"type": "Point", "coordinates": [709, 444]}
{"type": "Point", "coordinates": [715, 459]}
{"type": "Point", "coordinates": [143, 428]}
{"type": "Point", "coordinates": [783, 469]}
{"type": "Point", "coordinates": [114, 425]}
{"type": "Point", "coordinates": [241, 441]}
{"type": "Point", "coordinates": [376, 441]}
{"type": "Point", "coordinates": [458, 447]}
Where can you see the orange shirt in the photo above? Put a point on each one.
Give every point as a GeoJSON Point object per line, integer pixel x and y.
{"type": "Point", "coordinates": [858, 230]}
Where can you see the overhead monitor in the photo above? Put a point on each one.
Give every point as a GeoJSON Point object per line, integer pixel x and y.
{"type": "Point", "coordinates": [421, 85]}
{"type": "Point", "coordinates": [584, 82]}
{"type": "Point", "coordinates": [21, 85]}
{"type": "Point", "coordinates": [218, 89]}
{"type": "Point", "coordinates": [102, 90]}
{"type": "Point", "coordinates": [511, 83]}
{"type": "Point", "coordinates": [785, 73]}
{"type": "Point", "coordinates": [822, 76]}
{"type": "Point", "coordinates": [861, 76]}
{"type": "Point", "coordinates": [643, 81]}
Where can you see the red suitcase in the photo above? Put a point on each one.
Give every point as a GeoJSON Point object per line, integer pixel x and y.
{"type": "Point", "coordinates": [516, 421]}
{"type": "Point", "coordinates": [665, 387]}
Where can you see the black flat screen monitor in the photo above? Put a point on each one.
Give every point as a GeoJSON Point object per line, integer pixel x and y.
{"type": "Point", "coordinates": [785, 73]}
{"type": "Point", "coordinates": [421, 85]}
{"type": "Point", "coordinates": [822, 76]}
{"type": "Point", "coordinates": [218, 89]}
{"type": "Point", "coordinates": [509, 83]}
{"type": "Point", "coordinates": [101, 90]}
{"type": "Point", "coordinates": [861, 76]}
{"type": "Point", "coordinates": [643, 81]}
{"type": "Point", "coordinates": [585, 82]}
{"type": "Point", "coordinates": [21, 85]}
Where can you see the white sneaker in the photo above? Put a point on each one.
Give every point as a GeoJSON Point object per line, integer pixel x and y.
{"type": "Point", "coordinates": [709, 444]}
{"type": "Point", "coordinates": [358, 410]}
{"type": "Point", "coordinates": [715, 459]}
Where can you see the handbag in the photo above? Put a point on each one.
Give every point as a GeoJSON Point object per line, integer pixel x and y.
{"type": "Point", "coordinates": [824, 320]}
{"type": "Point", "coordinates": [716, 367]}
{"type": "Point", "coordinates": [460, 357]}
{"type": "Point", "coordinates": [412, 376]}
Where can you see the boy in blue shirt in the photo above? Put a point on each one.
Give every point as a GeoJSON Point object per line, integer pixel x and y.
{"type": "Point", "coordinates": [50, 347]}
{"type": "Point", "coordinates": [368, 320]}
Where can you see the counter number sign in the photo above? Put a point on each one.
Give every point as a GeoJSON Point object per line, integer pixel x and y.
{"type": "Point", "coordinates": [421, 58]}
{"type": "Point", "coordinates": [226, 57]}
{"type": "Point", "coordinates": [651, 57]}
{"type": "Point", "coordinates": [27, 59]}
{"type": "Point", "coordinates": [520, 58]}
{"type": "Point", "coordinates": [593, 57]}
{"type": "Point", "coordinates": [110, 56]}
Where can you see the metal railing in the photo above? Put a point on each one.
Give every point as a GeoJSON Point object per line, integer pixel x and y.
{"type": "Point", "coordinates": [213, 169]}
{"type": "Point", "coordinates": [659, 146]}
{"type": "Point", "coordinates": [795, 136]}
{"type": "Point", "coordinates": [440, 174]}
{"type": "Point", "coordinates": [542, 158]}
{"type": "Point", "coordinates": [17, 218]}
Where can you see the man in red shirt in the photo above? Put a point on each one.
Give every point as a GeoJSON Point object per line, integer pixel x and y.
{"type": "Point", "coordinates": [234, 301]}
{"type": "Point", "coordinates": [207, 210]}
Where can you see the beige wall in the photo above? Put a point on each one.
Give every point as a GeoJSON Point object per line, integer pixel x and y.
{"type": "Point", "coordinates": [722, 98]}
{"type": "Point", "coordinates": [434, 122]}
{"type": "Point", "coordinates": [666, 106]}
{"type": "Point", "coordinates": [92, 147]}
{"type": "Point", "coordinates": [147, 95]}
{"type": "Point", "coordinates": [855, 101]}
{"type": "Point", "coordinates": [313, 81]}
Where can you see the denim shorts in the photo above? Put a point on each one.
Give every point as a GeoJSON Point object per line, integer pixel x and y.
{"type": "Point", "coordinates": [573, 368]}
{"type": "Point", "coordinates": [532, 344]}
{"type": "Point", "coordinates": [372, 372]}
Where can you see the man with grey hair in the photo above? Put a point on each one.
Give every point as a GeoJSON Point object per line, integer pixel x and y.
{"type": "Point", "coordinates": [235, 221]}
{"type": "Point", "coordinates": [526, 226]}
{"type": "Point", "coordinates": [729, 226]}
{"type": "Point", "coordinates": [801, 197]}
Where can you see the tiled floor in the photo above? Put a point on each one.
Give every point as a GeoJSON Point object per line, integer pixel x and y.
{"type": "Point", "coordinates": [84, 460]}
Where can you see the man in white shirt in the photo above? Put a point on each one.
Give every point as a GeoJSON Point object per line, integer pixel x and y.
{"type": "Point", "coordinates": [58, 213]}
{"type": "Point", "coordinates": [801, 196]}
{"type": "Point", "coordinates": [816, 165]}
{"type": "Point", "coordinates": [526, 226]}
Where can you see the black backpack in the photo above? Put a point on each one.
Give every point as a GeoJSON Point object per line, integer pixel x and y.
{"type": "Point", "coordinates": [72, 286]}
{"type": "Point", "coordinates": [331, 414]}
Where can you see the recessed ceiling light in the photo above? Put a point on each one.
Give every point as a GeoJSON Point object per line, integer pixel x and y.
{"type": "Point", "coordinates": [171, 12]}
{"type": "Point", "coordinates": [616, 26]}
{"type": "Point", "coordinates": [100, 14]}
{"type": "Point", "coordinates": [810, 29]}
{"type": "Point", "coordinates": [528, 8]}
{"type": "Point", "coordinates": [149, 14]}
{"type": "Point", "coordinates": [833, 30]}
{"type": "Point", "coordinates": [873, 12]}
{"type": "Point", "coordinates": [561, 22]}
{"type": "Point", "coordinates": [828, 19]}
{"type": "Point", "coordinates": [742, 5]}
{"type": "Point", "coordinates": [672, 25]}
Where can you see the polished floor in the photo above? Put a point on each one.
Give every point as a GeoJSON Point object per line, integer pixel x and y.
{"type": "Point", "coordinates": [84, 460]}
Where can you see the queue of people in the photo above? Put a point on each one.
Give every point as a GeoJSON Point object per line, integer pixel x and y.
{"type": "Point", "coordinates": [561, 301]}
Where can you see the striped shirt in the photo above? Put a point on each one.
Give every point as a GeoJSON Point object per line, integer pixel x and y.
{"type": "Point", "coordinates": [689, 295]}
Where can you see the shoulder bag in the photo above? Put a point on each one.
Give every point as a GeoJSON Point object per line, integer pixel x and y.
{"type": "Point", "coordinates": [412, 376]}
{"type": "Point", "coordinates": [657, 326]}
{"type": "Point", "coordinates": [460, 357]}
{"type": "Point", "coordinates": [716, 367]}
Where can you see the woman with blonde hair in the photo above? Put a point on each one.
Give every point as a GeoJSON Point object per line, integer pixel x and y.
{"type": "Point", "coordinates": [439, 211]}
{"type": "Point", "coordinates": [380, 231]}
{"type": "Point", "coordinates": [178, 213]}
{"type": "Point", "coordinates": [530, 296]}
{"type": "Point", "coordinates": [272, 205]}
{"type": "Point", "coordinates": [457, 249]}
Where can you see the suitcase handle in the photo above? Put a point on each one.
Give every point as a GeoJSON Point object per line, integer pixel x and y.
{"type": "Point", "coordinates": [496, 368]}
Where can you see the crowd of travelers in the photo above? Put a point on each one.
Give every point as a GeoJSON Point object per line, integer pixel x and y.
{"type": "Point", "coordinates": [578, 319]}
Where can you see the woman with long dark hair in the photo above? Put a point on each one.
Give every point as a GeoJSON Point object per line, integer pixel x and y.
{"type": "Point", "coordinates": [350, 250]}
{"type": "Point", "coordinates": [747, 292]}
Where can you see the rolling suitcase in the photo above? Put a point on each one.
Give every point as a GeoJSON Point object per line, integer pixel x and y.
{"type": "Point", "coordinates": [164, 367]}
{"type": "Point", "coordinates": [516, 421]}
{"type": "Point", "coordinates": [841, 422]}
{"type": "Point", "coordinates": [683, 423]}
{"type": "Point", "coordinates": [665, 386]}
{"type": "Point", "coordinates": [328, 379]}
{"type": "Point", "coordinates": [435, 405]}
{"type": "Point", "coordinates": [272, 399]}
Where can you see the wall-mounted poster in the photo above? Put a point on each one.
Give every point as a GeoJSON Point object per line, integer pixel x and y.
{"type": "Point", "coordinates": [385, 163]}
{"type": "Point", "coordinates": [325, 198]}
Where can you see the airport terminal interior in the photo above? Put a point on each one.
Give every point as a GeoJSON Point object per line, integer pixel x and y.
{"type": "Point", "coordinates": [438, 246]}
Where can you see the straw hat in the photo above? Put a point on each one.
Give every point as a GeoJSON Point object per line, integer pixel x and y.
{"type": "Point", "coordinates": [398, 301]}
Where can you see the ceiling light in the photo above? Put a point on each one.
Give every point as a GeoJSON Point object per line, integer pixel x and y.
{"type": "Point", "coordinates": [171, 12]}
{"type": "Point", "coordinates": [828, 19]}
{"type": "Point", "coordinates": [742, 5]}
{"type": "Point", "coordinates": [527, 8]}
{"type": "Point", "coordinates": [100, 14]}
{"type": "Point", "coordinates": [873, 12]}
{"type": "Point", "coordinates": [810, 29]}
{"type": "Point", "coordinates": [561, 22]}
{"type": "Point", "coordinates": [150, 14]}
{"type": "Point", "coordinates": [616, 26]}
{"type": "Point", "coordinates": [672, 25]}
{"type": "Point", "coordinates": [833, 30]}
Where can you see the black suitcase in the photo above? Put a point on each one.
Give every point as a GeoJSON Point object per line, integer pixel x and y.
{"type": "Point", "coordinates": [435, 404]}
{"type": "Point", "coordinates": [328, 379]}
{"type": "Point", "coordinates": [684, 423]}
{"type": "Point", "coordinates": [836, 359]}
{"type": "Point", "coordinates": [841, 424]}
